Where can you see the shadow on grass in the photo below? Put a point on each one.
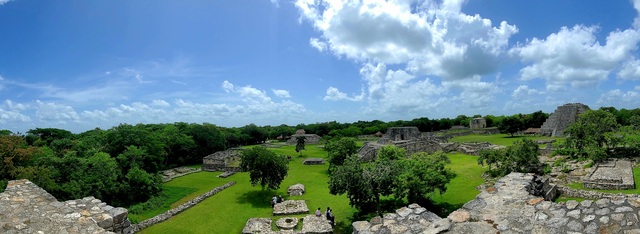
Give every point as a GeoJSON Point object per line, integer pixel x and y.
{"type": "Point", "coordinates": [442, 209]}
{"type": "Point", "coordinates": [257, 198]}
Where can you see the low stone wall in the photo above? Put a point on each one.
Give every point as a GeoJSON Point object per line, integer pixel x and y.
{"type": "Point", "coordinates": [170, 213]}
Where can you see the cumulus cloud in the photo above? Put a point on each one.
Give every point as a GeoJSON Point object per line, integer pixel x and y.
{"type": "Point", "coordinates": [431, 39]}
{"type": "Point", "coordinates": [619, 98]}
{"type": "Point", "coordinates": [55, 112]}
{"type": "Point", "coordinates": [160, 103]}
{"type": "Point", "coordinates": [333, 94]}
{"type": "Point", "coordinates": [4, 1]}
{"type": "Point", "coordinates": [574, 57]}
{"type": "Point", "coordinates": [630, 70]}
{"type": "Point", "coordinates": [275, 3]}
{"type": "Point", "coordinates": [281, 93]}
{"type": "Point", "coordinates": [523, 91]}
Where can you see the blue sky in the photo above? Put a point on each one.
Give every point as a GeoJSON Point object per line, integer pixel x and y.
{"type": "Point", "coordinates": [79, 65]}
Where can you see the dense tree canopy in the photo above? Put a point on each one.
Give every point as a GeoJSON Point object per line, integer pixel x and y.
{"type": "Point", "coordinates": [392, 173]}
{"type": "Point", "coordinates": [522, 156]}
{"type": "Point", "coordinates": [339, 149]}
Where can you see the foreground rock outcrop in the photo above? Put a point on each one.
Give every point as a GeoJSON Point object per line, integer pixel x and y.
{"type": "Point", "coordinates": [27, 208]}
{"type": "Point", "coordinates": [509, 207]}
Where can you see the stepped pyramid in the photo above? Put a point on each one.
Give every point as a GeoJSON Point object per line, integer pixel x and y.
{"type": "Point", "coordinates": [561, 118]}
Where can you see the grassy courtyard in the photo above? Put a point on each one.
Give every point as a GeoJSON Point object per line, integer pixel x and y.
{"type": "Point", "coordinates": [228, 211]}
{"type": "Point", "coordinates": [498, 139]}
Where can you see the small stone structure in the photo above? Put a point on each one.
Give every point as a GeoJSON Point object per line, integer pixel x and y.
{"type": "Point", "coordinates": [313, 161]}
{"type": "Point", "coordinates": [510, 207]}
{"type": "Point", "coordinates": [309, 138]}
{"type": "Point", "coordinates": [477, 123]}
{"type": "Point", "coordinates": [289, 207]}
{"type": "Point", "coordinates": [168, 175]}
{"type": "Point", "coordinates": [27, 208]}
{"type": "Point", "coordinates": [562, 118]}
{"type": "Point", "coordinates": [221, 160]}
{"type": "Point", "coordinates": [296, 190]}
{"type": "Point", "coordinates": [615, 174]}
{"type": "Point", "coordinates": [401, 134]}
{"type": "Point", "coordinates": [408, 138]}
{"type": "Point", "coordinates": [470, 148]}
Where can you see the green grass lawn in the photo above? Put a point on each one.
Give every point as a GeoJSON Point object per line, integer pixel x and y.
{"type": "Point", "coordinates": [498, 139]}
{"type": "Point", "coordinates": [461, 189]}
{"type": "Point", "coordinates": [228, 211]}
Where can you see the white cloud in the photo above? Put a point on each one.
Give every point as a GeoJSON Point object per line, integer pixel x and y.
{"type": "Point", "coordinates": [620, 99]}
{"type": "Point", "coordinates": [523, 91]}
{"type": "Point", "coordinates": [4, 1]}
{"type": "Point", "coordinates": [630, 70]}
{"type": "Point", "coordinates": [228, 86]}
{"type": "Point", "coordinates": [275, 3]}
{"type": "Point", "coordinates": [333, 94]}
{"type": "Point", "coordinates": [160, 103]}
{"type": "Point", "coordinates": [281, 93]}
{"type": "Point", "coordinates": [55, 113]}
{"type": "Point", "coordinates": [319, 45]}
{"type": "Point", "coordinates": [574, 57]}
{"type": "Point", "coordinates": [431, 39]}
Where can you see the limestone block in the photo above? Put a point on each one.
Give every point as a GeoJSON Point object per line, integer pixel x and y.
{"type": "Point", "coordinates": [104, 221]}
{"type": "Point", "coordinates": [360, 227]}
{"type": "Point", "coordinates": [459, 216]}
{"type": "Point", "coordinates": [296, 190]}
{"type": "Point", "coordinates": [119, 215]}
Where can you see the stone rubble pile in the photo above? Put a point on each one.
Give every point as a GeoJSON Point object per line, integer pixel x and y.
{"type": "Point", "coordinates": [508, 207]}
{"type": "Point", "coordinates": [27, 208]}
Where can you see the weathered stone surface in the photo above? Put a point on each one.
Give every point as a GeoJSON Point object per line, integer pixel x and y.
{"type": "Point", "coordinates": [27, 208]}
{"type": "Point", "coordinates": [313, 161]}
{"type": "Point", "coordinates": [562, 117]}
{"type": "Point", "coordinates": [287, 223]}
{"type": "Point", "coordinates": [290, 207]}
{"type": "Point", "coordinates": [313, 224]}
{"type": "Point", "coordinates": [257, 225]}
{"type": "Point", "coordinates": [296, 190]}
{"type": "Point", "coordinates": [459, 216]}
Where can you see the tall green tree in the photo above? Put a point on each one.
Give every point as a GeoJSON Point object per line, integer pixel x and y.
{"type": "Point", "coordinates": [264, 167]}
{"type": "Point", "coordinates": [300, 143]}
{"type": "Point", "coordinates": [423, 175]}
{"type": "Point", "coordinates": [511, 125]}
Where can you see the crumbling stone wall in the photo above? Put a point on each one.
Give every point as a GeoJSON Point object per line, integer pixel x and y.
{"type": "Point", "coordinates": [562, 118]}
{"type": "Point", "coordinates": [27, 208]}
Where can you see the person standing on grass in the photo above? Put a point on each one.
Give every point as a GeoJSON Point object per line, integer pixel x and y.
{"type": "Point", "coordinates": [274, 200]}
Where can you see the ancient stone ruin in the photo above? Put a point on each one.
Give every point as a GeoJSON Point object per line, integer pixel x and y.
{"type": "Point", "coordinates": [477, 123]}
{"type": "Point", "coordinates": [296, 190]}
{"type": "Point", "coordinates": [289, 207]}
{"type": "Point", "coordinates": [309, 138]}
{"type": "Point", "coordinates": [168, 175]}
{"type": "Point", "coordinates": [27, 208]}
{"type": "Point", "coordinates": [221, 160]}
{"type": "Point", "coordinates": [615, 174]}
{"type": "Point", "coordinates": [510, 207]}
{"type": "Point", "coordinates": [310, 225]}
{"type": "Point", "coordinates": [408, 138]}
{"type": "Point", "coordinates": [562, 118]}
{"type": "Point", "coordinates": [313, 161]}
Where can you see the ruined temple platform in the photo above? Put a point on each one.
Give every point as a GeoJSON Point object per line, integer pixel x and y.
{"type": "Point", "coordinates": [291, 207]}
{"type": "Point", "coordinates": [615, 174]}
